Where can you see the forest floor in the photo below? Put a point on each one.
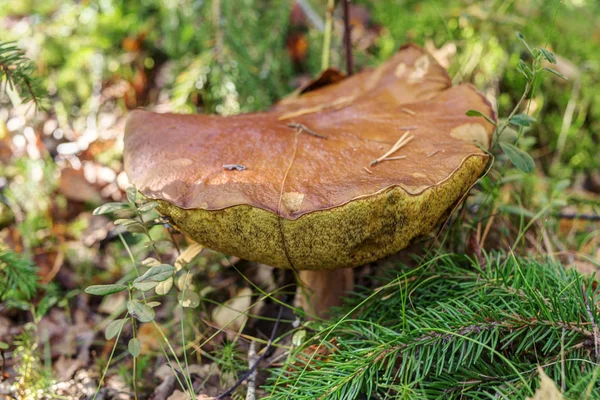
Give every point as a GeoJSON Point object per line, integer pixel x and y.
{"type": "Point", "coordinates": [531, 241]}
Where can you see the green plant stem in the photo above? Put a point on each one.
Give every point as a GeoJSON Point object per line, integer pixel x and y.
{"type": "Point", "coordinates": [181, 319]}
{"type": "Point", "coordinates": [133, 327]}
{"type": "Point", "coordinates": [166, 340]}
{"type": "Point", "coordinates": [104, 372]}
{"type": "Point", "coordinates": [147, 233]}
{"type": "Point", "coordinates": [154, 322]}
{"type": "Point", "coordinates": [514, 111]}
{"type": "Point", "coordinates": [327, 35]}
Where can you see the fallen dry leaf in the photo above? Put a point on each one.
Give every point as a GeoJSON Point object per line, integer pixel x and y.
{"type": "Point", "coordinates": [75, 187]}
{"type": "Point", "coordinates": [232, 315]}
{"type": "Point", "coordinates": [149, 337]}
{"type": "Point", "coordinates": [547, 389]}
{"type": "Point", "coordinates": [314, 352]}
{"type": "Point", "coordinates": [188, 255]}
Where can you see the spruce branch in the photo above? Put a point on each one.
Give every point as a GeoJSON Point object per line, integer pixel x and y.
{"type": "Point", "coordinates": [455, 330]}
{"type": "Point", "coordinates": [19, 74]}
{"type": "Point", "coordinates": [18, 277]}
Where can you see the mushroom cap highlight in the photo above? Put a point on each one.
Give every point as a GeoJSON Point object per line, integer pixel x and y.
{"type": "Point", "coordinates": [297, 186]}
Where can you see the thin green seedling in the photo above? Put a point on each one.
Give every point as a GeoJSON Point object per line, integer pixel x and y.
{"type": "Point", "coordinates": [517, 157]}
{"type": "Point", "coordinates": [265, 295]}
{"type": "Point", "coordinates": [182, 320]}
{"type": "Point", "coordinates": [110, 357]}
{"type": "Point", "coordinates": [158, 331]}
{"type": "Point", "coordinates": [222, 329]}
{"type": "Point", "coordinates": [154, 276]}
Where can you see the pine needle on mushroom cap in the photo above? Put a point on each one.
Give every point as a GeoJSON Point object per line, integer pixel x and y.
{"type": "Point", "coordinates": [403, 141]}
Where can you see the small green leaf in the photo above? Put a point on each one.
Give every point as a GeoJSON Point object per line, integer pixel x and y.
{"type": "Point", "coordinates": [548, 55]}
{"type": "Point", "coordinates": [522, 39]}
{"type": "Point", "coordinates": [561, 185]}
{"type": "Point", "coordinates": [145, 286]}
{"type": "Point", "coordinates": [157, 273]}
{"type": "Point", "coordinates": [134, 347]}
{"type": "Point", "coordinates": [3, 345]}
{"type": "Point", "coordinates": [105, 290]}
{"type": "Point", "coordinates": [109, 208]}
{"type": "Point", "coordinates": [131, 194]}
{"type": "Point", "coordinates": [136, 229]}
{"type": "Point", "coordinates": [140, 311]}
{"type": "Point", "coordinates": [298, 337]}
{"type": "Point", "coordinates": [475, 113]}
{"type": "Point", "coordinates": [151, 243]}
{"type": "Point", "coordinates": [518, 157]}
{"type": "Point", "coordinates": [516, 210]}
{"type": "Point", "coordinates": [509, 135]}
{"type": "Point", "coordinates": [153, 304]}
{"type": "Point", "coordinates": [524, 69]}
{"type": "Point", "coordinates": [113, 329]}
{"type": "Point", "coordinates": [150, 262]}
{"type": "Point", "coordinates": [148, 206]}
{"type": "Point", "coordinates": [153, 277]}
{"type": "Point", "coordinates": [555, 72]}
{"type": "Point", "coordinates": [523, 120]}
{"type": "Point", "coordinates": [189, 299]}
{"type": "Point", "coordinates": [524, 73]}
{"type": "Point", "coordinates": [126, 221]}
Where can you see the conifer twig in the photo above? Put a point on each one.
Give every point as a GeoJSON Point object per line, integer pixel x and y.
{"type": "Point", "coordinates": [252, 358]}
{"type": "Point", "coordinates": [591, 315]}
{"type": "Point", "coordinates": [585, 217]}
{"type": "Point", "coordinates": [347, 38]}
{"type": "Point", "coordinates": [486, 334]}
{"type": "Point", "coordinates": [18, 72]}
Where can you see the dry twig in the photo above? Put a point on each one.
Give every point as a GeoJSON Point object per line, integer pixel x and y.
{"type": "Point", "coordinates": [591, 315]}
{"type": "Point", "coordinates": [249, 373]}
{"type": "Point", "coordinates": [301, 127]}
{"type": "Point", "coordinates": [252, 358]}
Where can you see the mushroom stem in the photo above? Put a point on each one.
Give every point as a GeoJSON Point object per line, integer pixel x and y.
{"type": "Point", "coordinates": [318, 291]}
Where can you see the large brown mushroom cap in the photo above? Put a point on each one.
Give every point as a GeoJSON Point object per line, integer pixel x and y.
{"type": "Point", "coordinates": [308, 197]}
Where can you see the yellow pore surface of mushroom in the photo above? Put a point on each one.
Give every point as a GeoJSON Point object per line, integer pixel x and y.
{"type": "Point", "coordinates": [358, 232]}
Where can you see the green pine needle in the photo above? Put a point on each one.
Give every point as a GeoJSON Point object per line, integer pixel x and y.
{"type": "Point", "coordinates": [451, 329]}
{"type": "Point", "coordinates": [18, 72]}
{"type": "Point", "coordinates": [18, 276]}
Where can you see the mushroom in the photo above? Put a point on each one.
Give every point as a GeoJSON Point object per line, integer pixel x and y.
{"type": "Point", "coordinates": [332, 177]}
